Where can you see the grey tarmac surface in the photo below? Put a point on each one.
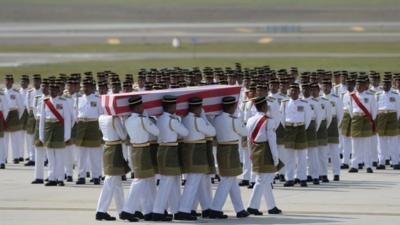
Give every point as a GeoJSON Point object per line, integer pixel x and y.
{"type": "Point", "coordinates": [357, 199]}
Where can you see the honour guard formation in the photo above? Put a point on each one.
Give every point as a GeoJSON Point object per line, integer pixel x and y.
{"type": "Point", "coordinates": [286, 128]}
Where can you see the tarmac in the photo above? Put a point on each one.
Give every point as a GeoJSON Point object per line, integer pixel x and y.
{"type": "Point", "coordinates": [357, 199]}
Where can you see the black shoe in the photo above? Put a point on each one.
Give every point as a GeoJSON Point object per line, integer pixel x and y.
{"type": "Point", "coordinates": [60, 183]}
{"type": "Point", "coordinates": [21, 159]}
{"type": "Point", "coordinates": [37, 181]}
{"type": "Point", "coordinates": [87, 174]}
{"type": "Point", "coordinates": [360, 166]}
{"type": "Point", "coordinates": [51, 183]}
{"type": "Point", "coordinates": [69, 179]}
{"type": "Point", "coordinates": [2, 166]}
{"type": "Point", "coordinates": [46, 162]}
{"type": "Point", "coordinates": [132, 176]}
{"type": "Point", "coordinates": [212, 180]}
{"type": "Point", "coordinates": [375, 164]}
{"type": "Point", "coordinates": [275, 210]}
{"type": "Point", "coordinates": [369, 170]}
{"type": "Point", "coordinates": [303, 183]}
{"type": "Point", "coordinates": [336, 178]}
{"type": "Point", "coordinates": [255, 212]}
{"type": "Point", "coordinates": [396, 167]}
{"type": "Point", "coordinates": [184, 216]}
{"type": "Point", "coordinates": [251, 185]}
{"type": "Point", "coordinates": [104, 216]}
{"type": "Point", "coordinates": [214, 214]}
{"type": "Point", "coordinates": [387, 162]}
{"type": "Point", "coordinates": [242, 214]}
{"type": "Point", "coordinates": [217, 177]}
{"type": "Point", "coordinates": [341, 156]}
{"type": "Point", "coordinates": [160, 217]}
{"type": "Point", "coordinates": [16, 161]}
{"type": "Point", "coordinates": [183, 182]}
{"type": "Point", "coordinates": [309, 179]}
{"type": "Point", "coordinates": [139, 215]}
{"type": "Point", "coordinates": [205, 213]}
{"type": "Point", "coordinates": [344, 166]}
{"type": "Point", "coordinates": [353, 170]}
{"type": "Point", "coordinates": [244, 183]}
{"type": "Point", "coordinates": [315, 181]}
{"type": "Point", "coordinates": [282, 178]}
{"type": "Point", "coordinates": [30, 163]}
{"type": "Point", "coordinates": [81, 180]}
{"type": "Point", "coordinates": [148, 217]}
{"type": "Point", "coordinates": [289, 183]}
{"type": "Point", "coordinates": [96, 181]}
{"type": "Point", "coordinates": [26, 159]}
{"type": "Point", "coordinates": [381, 167]}
{"type": "Point", "coordinates": [128, 216]}
{"type": "Point", "coordinates": [157, 182]}
{"type": "Point", "coordinates": [123, 177]}
{"type": "Point", "coordinates": [324, 179]}
{"type": "Point", "coordinates": [296, 181]}
{"type": "Point", "coordinates": [194, 213]}
{"type": "Point", "coordinates": [47, 179]}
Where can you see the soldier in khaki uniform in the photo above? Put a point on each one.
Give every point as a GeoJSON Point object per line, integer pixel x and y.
{"type": "Point", "coordinates": [195, 161]}
{"type": "Point", "coordinates": [169, 167]}
{"type": "Point", "coordinates": [229, 130]}
{"type": "Point", "coordinates": [143, 188]}
{"type": "Point", "coordinates": [114, 165]}
{"type": "Point", "coordinates": [265, 157]}
{"type": "Point", "coordinates": [54, 131]}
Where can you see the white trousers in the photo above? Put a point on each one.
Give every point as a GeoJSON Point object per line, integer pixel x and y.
{"type": "Point", "coordinates": [347, 149]}
{"type": "Point", "coordinates": [313, 162]}
{"type": "Point", "coordinates": [3, 149]}
{"type": "Point", "coordinates": [296, 164]}
{"type": "Point", "coordinates": [112, 187]}
{"type": "Point", "coordinates": [263, 188]}
{"type": "Point", "coordinates": [387, 149]}
{"type": "Point", "coordinates": [360, 153]}
{"type": "Point", "coordinates": [228, 185]}
{"type": "Point", "coordinates": [69, 160]}
{"type": "Point", "coordinates": [29, 142]}
{"type": "Point", "coordinates": [141, 196]}
{"type": "Point", "coordinates": [374, 148]}
{"type": "Point", "coordinates": [95, 156]}
{"type": "Point", "coordinates": [56, 163]}
{"type": "Point", "coordinates": [323, 160]}
{"type": "Point", "coordinates": [196, 186]}
{"type": "Point", "coordinates": [334, 154]}
{"type": "Point", "coordinates": [283, 158]}
{"type": "Point", "coordinates": [246, 175]}
{"type": "Point", "coordinates": [13, 140]}
{"type": "Point", "coordinates": [40, 157]}
{"type": "Point", "coordinates": [168, 194]}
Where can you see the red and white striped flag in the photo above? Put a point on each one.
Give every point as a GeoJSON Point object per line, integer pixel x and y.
{"type": "Point", "coordinates": [117, 104]}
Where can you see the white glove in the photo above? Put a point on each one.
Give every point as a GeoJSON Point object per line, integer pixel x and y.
{"type": "Point", "coordinates": [276, 161]}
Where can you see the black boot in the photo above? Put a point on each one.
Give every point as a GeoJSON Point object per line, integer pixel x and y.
{"type": "Point", "coordinates": [194, 213]}
{"type": "Point", "coordinates": [282, 178]}
{"type": "Point", "coordinates": [37, 181]}
{"type": "Point", "coordinates": [251, 185]}
{"type": "Point", "coordinates": [344, 166]}
{"type": "Point", "coordinates": [60, 183]}
{"type": "Point", "coordinates": [244, 183]}
{"type": "Point", "coordinates": [214, 214]}
{"type": "Point", "coordinates": [205, 213]}
{"type": "Point", "coordinates": [316, 181]}
{"type": "Point", "coordinates": [30, 163]}
{"type": "Point", "coordinates": [50, 183]}
{"type": "Point", "coordinates": [128, 216]}
{"type": "Point", "coordinates": [303, 183]}
{"type": "Point", "coordinates": [2, 166]}
{"type": "Point", "coordinates": [104, 216]}
{"type": "Point", "coordinates": [148, 217]}
{"type": "Point", "coordinates": [255, 212]}
{"type": "Point", "coordinates": [274, 210]}
{"type": "Point", "coordinates": [375, 163]}
{"type": "Point", "coordinates": [242, 214]}
{"type": "Point", "coordinates": [16, 161]}
{"type": "Point", "coordinates": [381, 167]}
{"type": "Point", "coordinates": [69, 179]}
{"type": "Point", "coordinates": [123, 177]}
{"type": "Point", "coordinates": [324, 179]}
{"type": "Point", "coordinates": [96, 181]}
{"type": "Point", "coordinates": [309, 179]}
{"type": "Point", "coordinates": [21, 159]}
{"type": "Point", "coordinates": [289, 183]}
{"type": "Point", "coordinates": [184, 216]}
{"type": "Point", "coordinates": [81, 180]}
{"type": "Point", "coordinates": [387, 162]}
{"type": "Point", "coordinates": [161, 217]}
{"type": "Point", "coordinates": [353, 170]}
{"type": "Point", "coordinates": [336, 178]}
{"type": "Point", "coordinates": [139, 215]}
{"type": "Point", "coordinates": [369, 170]}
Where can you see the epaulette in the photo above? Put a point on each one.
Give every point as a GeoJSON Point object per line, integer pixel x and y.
{"type": "Point", "coordinates": [394, 92]}
{"type": "Point", "coordinates": [62, 98]}
{"type": "Point", "coordinates": [30, 89]}
{"type": "Point", "coordinates": [37, 96]}
{"type": "Point", "coordinates": [334, 95]}
{"type": "Point", "coordinates": [14, 89]}
{"type": "Point", "coordinates": [369, 93]}
{"type": "Point", "coordinates": [285, 100]}
{"type": "Point", "coordinates": [272, 98]}
{"type": "Point", "coordinates": [315, 99]}
{"type": "Point", "coordinates": [379, 93]}
{"type": "Point", "coordinates": [233, 117]}
{"type": "Point", "coordinates": [97, 95]}
{"type": "Point", "coordinates": [324, 98]}
{"type": "Point", "coordinates": [303, 100]}
{"type": "Point", "coordinates": [282, 94]}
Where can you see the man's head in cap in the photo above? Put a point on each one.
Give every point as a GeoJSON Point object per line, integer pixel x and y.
{"type": "Point", "coordinates": [9, 80]}
{"type": "Point", "coordinates": [103, 87]}
{"type": "Point", "coordinates": [127, 86]}
{"type": "Point", "coordinates": [326, 86]}
{"type": "Point", "coordinates": [169, 104]}
{"type": "Point", "coordinates": [54, 89]}
{"type": "Point", "coordinates": [306, 90]}
{"type": "Point", "coordinates": [116, 86]}
{"type": "Point", "coordinates": [195, 105]}
{"type": "Point", "coordinates": [361, 84]}
{"type": "Point", "coordinates": [315, 90]}
{"type": "Point", "coordinates": [386, 84]}
{"type": "Point", "coordinates": [375, 79]}
{"type": "Point", "coordinates": [274, 85]}
{"type": "Point", "coordinates": [294, 91]}
{"type": "Point", "coordinates": [229, 104]}
{"type": "Point", "coordinates": [44, 87]}
{"type": "Point", "coordinates": [261, 104]}
{"type": "Point", "coordinates": [87, 86]}
{"type": "Point", "coordinates": [24, 81]}
{"type": "Point", "coordinates": [136, 104]}
{"type": "Point", "coordinates": [36, 81]}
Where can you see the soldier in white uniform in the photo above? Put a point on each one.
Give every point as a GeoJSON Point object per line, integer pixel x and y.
{"type": "Point", "coordinates": [13, 132]}
{"type": "Point", "coordinates": [114, 166]}
{"type": "Point", "coordinates": [388, 103]}
{"type": "Point", "coordinates": [142, 191]}
{"type": "Point", "coordinates": [363, 114]}
{"type": "Point", "coordinates": [229, 130]}
{"type": "Point", "coordinates": [296, 117]}
{"type": "Point", "coordinates": [3, 115]}
{"type": "Point", "coordinates": [169, 168]}
{"type": "Point", "coordinates": [345, 125]}
{"type": "Point", "coordinates": [54, 131]}
{"type": "Point", "coordinates": [265, 157]}
{"type": "Point", "coordinates": [333, 129]}
{"type": "Point", "coordinates": [24, 91]}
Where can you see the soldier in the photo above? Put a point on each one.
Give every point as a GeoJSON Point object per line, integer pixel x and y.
{"type": "Point", "coordinates": [26, 144]}
{"type": "Point", "coordinates": [13, 132]}
{"type": "Point", "coordinates": [169, 168]}
{"type": "Point", "coordinates": [229, 130]}
{"type": "Point", "coordinates": [143, 188]}
{"type": "Point", "coordinates": [265, 157]}
{"type": "Point", "coordinates": [362, 115]}
{"type": "Point", "coordinates": [345, 125]}
{"type": "Point", "coordinates": [114, 166]}
{"type": "Point", "coordinates": [3, 114]}
{"type": "Point", "coordinates": [333, 128]}
{"type": "Point", "coordinates": [54, 131]}
{"type": "Point", "coordinates": [30, 126]}
{"type": "Point", "coordinates": [40, 151]}
{"type": "Point", "coordinates": [195, 161]}
{"type": "Point", "coordinates": [88, 135]}
{"type": "Point", "coordinates": [388, 113]}
{"type": "Point", "coordinates": [296, 117]}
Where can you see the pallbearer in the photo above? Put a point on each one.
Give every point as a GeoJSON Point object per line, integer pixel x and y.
{"type": "Point", "coordinates": [229, 130]}
{"type": "Point", "coordinates": [265, 157]}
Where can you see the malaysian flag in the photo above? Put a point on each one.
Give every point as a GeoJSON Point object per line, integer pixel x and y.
{"type": "Point", "coordinates": [117, 104]}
